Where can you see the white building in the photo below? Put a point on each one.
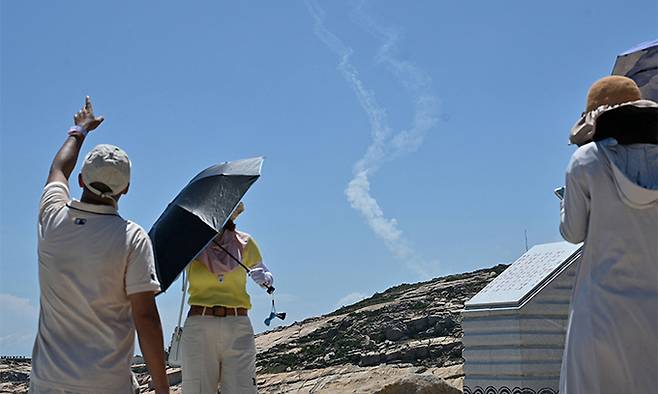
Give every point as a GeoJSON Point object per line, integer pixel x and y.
{"type": "Point", "coordinates": [514, 329]}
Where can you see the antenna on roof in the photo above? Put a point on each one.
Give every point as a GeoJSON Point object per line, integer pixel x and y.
{"type": "Point", "coordinates": [525, 232]}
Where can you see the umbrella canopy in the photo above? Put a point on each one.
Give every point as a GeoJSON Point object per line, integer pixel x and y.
{"type": "Point", "coordinates": [198, 214]}
{"type": "Point", "coordinates": [641, 65]}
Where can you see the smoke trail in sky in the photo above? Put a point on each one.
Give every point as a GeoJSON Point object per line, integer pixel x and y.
{"type": "Point", "coordinates": [386, 145]}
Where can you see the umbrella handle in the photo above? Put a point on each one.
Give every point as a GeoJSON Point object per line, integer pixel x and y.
{"type": "Point", "coordinates": [270, 289]}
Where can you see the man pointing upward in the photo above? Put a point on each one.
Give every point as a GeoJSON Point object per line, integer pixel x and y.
{"type": "Point", "coordinates": [96, 277]}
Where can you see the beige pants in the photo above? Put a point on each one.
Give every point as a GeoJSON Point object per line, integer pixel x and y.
{"type": "Point", "coordinates": [218, 350]}
{"type": "Point", "coordinates": [44, 389]}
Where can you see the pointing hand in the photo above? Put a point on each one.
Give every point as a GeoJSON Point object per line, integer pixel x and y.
{"type": "Point", "coordinates": [85, 118]}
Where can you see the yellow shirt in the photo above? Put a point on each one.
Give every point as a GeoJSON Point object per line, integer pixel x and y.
{"type": "Point", "coordinates": [229, 289]}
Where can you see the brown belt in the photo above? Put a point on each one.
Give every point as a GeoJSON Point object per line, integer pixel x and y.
{"type": "Point", "coordinates": [219, 311]}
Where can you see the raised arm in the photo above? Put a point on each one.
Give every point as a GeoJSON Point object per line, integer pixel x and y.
{"type": "Point", "coordinates": [67, 156]}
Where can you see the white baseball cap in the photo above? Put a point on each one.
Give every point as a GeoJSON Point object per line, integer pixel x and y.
{"type": "Point", "coordinates": [109, 165]}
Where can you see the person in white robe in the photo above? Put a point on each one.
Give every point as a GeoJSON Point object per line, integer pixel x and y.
{"type": "Point", "coordinates": [611, 204]}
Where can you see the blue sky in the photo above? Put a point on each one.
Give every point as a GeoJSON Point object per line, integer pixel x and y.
{"type": "Point", "coordinates": [478, 99]}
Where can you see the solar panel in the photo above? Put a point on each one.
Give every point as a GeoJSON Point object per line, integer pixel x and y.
{"type": "Point", "coordinates": [526, 274]}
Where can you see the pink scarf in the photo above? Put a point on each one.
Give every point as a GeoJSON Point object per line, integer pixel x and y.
{"type": "Point", "coordinates": [218, 261]}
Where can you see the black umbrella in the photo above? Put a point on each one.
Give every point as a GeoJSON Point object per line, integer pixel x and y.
{"type": "Point", "coordinates": [641, 65]}
{"type": "Point", "coordinates": [198, 214]}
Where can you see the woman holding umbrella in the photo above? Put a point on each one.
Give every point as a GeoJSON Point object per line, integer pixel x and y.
{"type": "Point", "coordinates": [218, 339]}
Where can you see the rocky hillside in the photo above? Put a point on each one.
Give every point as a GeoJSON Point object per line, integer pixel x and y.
{"type": "Point", "coordinates": [408, 329]}
{"type": "Point", "coordinates": [404, 340]}
{"type": "Point", "coordinates": [14, 376]}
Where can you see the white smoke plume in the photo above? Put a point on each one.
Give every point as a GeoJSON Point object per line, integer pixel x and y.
{"type": "Point", "coordinates": [386, 145]}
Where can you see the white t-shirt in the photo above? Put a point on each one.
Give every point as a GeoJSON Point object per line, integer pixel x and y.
{"type": "Point", "coordinates": [90, 260]}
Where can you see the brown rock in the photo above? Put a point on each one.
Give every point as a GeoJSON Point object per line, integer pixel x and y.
{"type": "Point", "coordinates": [418, 384]}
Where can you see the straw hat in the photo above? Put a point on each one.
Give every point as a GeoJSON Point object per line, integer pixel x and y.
{"type": "Point", "coordinates": [606, 93]}
{"type": "Point", "coordinates": [612, 90]}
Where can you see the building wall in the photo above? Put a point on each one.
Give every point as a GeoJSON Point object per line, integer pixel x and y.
{"type": "Point", "coordinates": [519, 350]}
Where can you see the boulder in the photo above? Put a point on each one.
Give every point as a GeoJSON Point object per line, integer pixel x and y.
{"type": "Point", "coordinates": [417, 325]}
{"type": "Point", "coordinates": [393, 334]}
{"type": "Point", "coordinates": [418, 384]}
{"type": "Point", "coordinates": [370, 359]}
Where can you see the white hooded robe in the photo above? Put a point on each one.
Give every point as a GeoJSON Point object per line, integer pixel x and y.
{"type": "Point", "coordinates": [611, 204]}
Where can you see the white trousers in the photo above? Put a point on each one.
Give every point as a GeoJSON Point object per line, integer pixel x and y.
{"type": "Point", "coordinates": [218, 350]}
